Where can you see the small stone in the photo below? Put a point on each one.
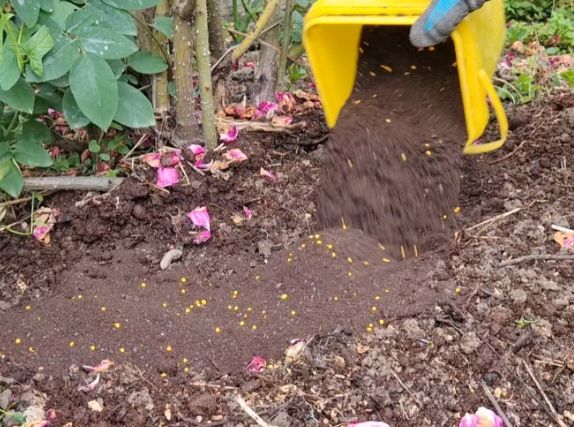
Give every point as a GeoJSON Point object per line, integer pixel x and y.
{"type": "Point", "coordinates": [501, 315]}
{"type": "Point", "coordinates": [265, 247]}
{"type": "Point", "coordinates": [412, 329]}
{"type": "Point", "coordinates": [282, 419]}
{"type": "Point", "coordinates": [340, 363]}
{"type": "Point", "coordinates": [518, 296]}
{"type": "Point", "coordinates": [490, 378]}
{"type": "Point", "coordinates": [5, 398]}
{"type": "Point", "coordinates": [138, 212]}
{"type": "Point", "coordinates": [204, 404]}
{"type": "Point", "coordinates": [549, 285]}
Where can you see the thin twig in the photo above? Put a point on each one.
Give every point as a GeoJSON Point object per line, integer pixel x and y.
{"type": "Point", "coordinates": [494, 403]}
{"type": "Point", "coordinates": [494, 219]}
{"type": "Point", "coordinates": [550, 406]}
{"type": "Point", "coordinates": [509, 155]}
{"type": "Point", "coordinates": [241, 33]}
{"type": "Point", "coordinates": [134, 148]}
{"type": "Point", "coordinates": [72, 183]}
{"type": "Point", "coordinates": [408, 390]}
{"type": "Point", "coordinates": [260, 421]}
{"type": "Point", "coordinates": [540, 257]}
{"type": "Point", "coordinates": [22, 200]}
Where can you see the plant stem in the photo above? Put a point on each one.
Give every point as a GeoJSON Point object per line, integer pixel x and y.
{"type": "Point", "coordinates": [160, 81]}
{"type": "Point", "coordinates": [202, 57]}
{"type": "Point", "coordinates": [186, 128]}
{"type": "Point", "coordinates": [13, 123]}
{"type": "Point", "coordinates": [285, 42]}
{"type": "Point", "coordinates": [215, 24]}
{"type": "Point", "coordinates": [266, 73]}
{"type": "Point", "coordinates": [261, 23]}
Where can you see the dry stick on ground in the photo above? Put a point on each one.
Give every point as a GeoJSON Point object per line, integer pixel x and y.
{"type": "Point", "coordinates": [267, 14]}
{"type": "Point", "coordinates": [512, 153]}
{"type": "Point", "coordinates": [494, 219]}
{"type": "Point", "coordinates": [202, 57]}
{"type": "Point", "coordinates": [408, 390]}
{"type": "Point", "coordinates": [72, 183]}
{"type": "Point", "coordinates": [494, 403]}
{"type": "Point", "coordinates": [22, 200]}
{"type": "Point", "coordinates": [260, 421]}
{"type": "Point", "coordinates": [539, 257]}
{"type": "Point", "coordinates": [537, 384]}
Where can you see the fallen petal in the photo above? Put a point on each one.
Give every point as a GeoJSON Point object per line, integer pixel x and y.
{"type": "Point", "coordinates": [200, 218]}
{"type": "Point", "coordinates": [40, 232]}
{"type": "Point", "coordinates": [94, 383]}
{"type": "Point", "coordinates": [488, 418]}
{"type": "Point", "coordinates": [235, 155]}
{"type": "Point", "coordinates": [171, 158]}
{"type": "Point", "coordinates": [166, 177]}
{"type": "Point", "coordinates": [266, 109]}
{"type": "Point", "coordinates": [282, 120]}
{"type": "Point", "coordinates": [229, 136]}
{"type": "Point", "coordinates": [152, 159]}
{"type": "Point", "coordinates": [197, 150]}
{"type": "Point", "coordinates": [565, 240]}
{"type": "Point", "coordinates": [103, 366]}
{"type": "Point", "coordinates": [286, 100]}
{"type": "Point", "coordinates": [202, 237]}
{"type": "Point", "coordinates": [248, 212]}
{"type": "Point", "coordinates": [257, 365]}
{"type": "Point", "coordinates": [267, 175]}
{"type": "Point", "coordinates": [469, 420]}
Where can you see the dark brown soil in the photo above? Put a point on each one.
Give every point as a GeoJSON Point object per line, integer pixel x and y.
{"type": "Point", "coordinates": [394, 162]}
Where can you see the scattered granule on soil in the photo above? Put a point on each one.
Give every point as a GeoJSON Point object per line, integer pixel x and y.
{"type": "Point", "coordinates": [394, 162]}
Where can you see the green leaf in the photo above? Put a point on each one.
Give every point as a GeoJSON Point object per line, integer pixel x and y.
{"type": "Point", "coordinates": [9, 70]}
{"type": "Point", "coordinates": [95, 89]}
{"type": "Point", "coordinates": [568, 76]}
{"type": "Point", "coordinates": [132, 4]}
{"type": "Point", "coordinates": [74, 116]}
{"type": "Point", "coordinates": [61, 13]}
{"type": "Point", "coordinates": [30, 153]}
{"type": "Point", "coordinates": [20, 97]}
{"type": "Point", "coordinates": [36, 47]}
{"type": "Point", "coordinates": [147, 63]}
{"type": "Point", "coordinates": [47, 96]}
{"type": "Point", "coordinates": [134, 109]}
{"type": "Point", "coordinates": [105, 157]}
{"type": "Point", "coordinates": [33, 130]}
{"type": "Point", "coordinates": [164, 25]}
{"type": "Point", "coordinates": [27, 10]}
{"type": "Point", "coordinates": [105, 42]}
{"type": "Point", "coordinates": [118, 66]}
{"type": "Point", "coordinates": [114, 18]}
{"type": "Point", "coordinates": [11, 180]}
{"type": "Point", "coordinates": [58, 61]}
{"type": "Point", "coordinates": [48, 5]}
{"type": "Point", "coordinates": [94, 147]}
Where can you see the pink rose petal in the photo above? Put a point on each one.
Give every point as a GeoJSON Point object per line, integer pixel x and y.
{"type": "Point", "coordinates": [41, 231]}
{"type": "Point", "coordinates": [235, 155]}
{"type": "Point", "coordinates": [94, 383]}
{"type": "Point", "coordinates": [286, 100]}
{"type": "Point", "coordinates": [266, 109]}
{"type": "Point", "coordinates": [229, 136]}
{"type": "Point", "coordinates": [469, 420]}
{"type": "Point", "coordinates": [197, 150]}
{"type": "Point", "coordinates": [103, 366]}
{"type": "Point", "coordinates": [171, 158]}
{"type": "Point", "coordinates": [488, 418]}
{"type": "Point", "coordinates": [200, 218]}
{"type": "Point", "coordinates": [248, 212]}
{"type": "Point", "coordinates": [282, 120]}
{"type": "Point", "coordinates": [257, 365]}
{"type": "Point", "coordinates": [202, 237]}
{"type": "Point", "coordinates": [267, 175]}
{"type": "Point", "coordinates": [166, 177]}
{"type": "Point", "coordinates": [152, 159]}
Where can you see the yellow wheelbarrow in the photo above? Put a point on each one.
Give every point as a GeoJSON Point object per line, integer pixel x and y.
{"type": "Point", "coordinates": [332, 33]}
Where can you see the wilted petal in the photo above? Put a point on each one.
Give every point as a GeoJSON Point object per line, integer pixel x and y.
{"type": "Point", "coordinates": [488, 418]}
{"type": "Point", "coordinates": [469, 420]}
{"type": "Point", "coordinates": [257, 364]}
{"type": "Point", "coordinates": [248, 212]}
{"type": "Point", "coordinates": [94, 383]}
{"type": "Point", "coordinates": [282, 120]}
{"type": "Point", "coordinates": [103, 366]}
{"type": "Point", "coordinates": [171, 158]}
{"type": "Point", "coordinates": [152, 159]}
{"type": "Point", "coordinates": [166, 177]}
{"type": "Point", "coordinates": [266, 109]}
{"type": "Point", "coordinates": [197, 150]}
{"type": "Point", "coordinates": [235, 155]}
{"type": "Point", "coordinates": [202, 237]}
{"type": "Point", "coordinates": [229, 136]}
{"type": "Point", "coordinates": [267, 175]}
{"type": "Point", "coordinates": [41, 232]}
{"type": "Point", "coordinates": [200, 218]}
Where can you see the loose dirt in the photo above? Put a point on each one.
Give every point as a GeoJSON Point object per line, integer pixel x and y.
{"type": "Point", "coordinates": [455, 320]}
{"type": "Point", "coordinates": [394, 162]}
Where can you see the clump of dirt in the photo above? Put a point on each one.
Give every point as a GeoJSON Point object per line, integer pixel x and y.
{"type": "Point", "coordinates": [394, 162]}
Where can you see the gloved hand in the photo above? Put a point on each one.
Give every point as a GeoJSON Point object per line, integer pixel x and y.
{"type": "Point", "coordinates": [440, 19]}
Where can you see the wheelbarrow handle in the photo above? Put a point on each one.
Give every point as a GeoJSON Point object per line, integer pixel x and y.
{"type": "Point", "coordinates": [474, 148]}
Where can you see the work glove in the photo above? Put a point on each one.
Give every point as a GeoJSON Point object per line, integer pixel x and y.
{"type": "Point", "coordinates": [440, 19]}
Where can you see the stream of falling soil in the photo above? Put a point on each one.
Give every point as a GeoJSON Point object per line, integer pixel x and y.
{"type": "Point", "coordinates": [393, 168]}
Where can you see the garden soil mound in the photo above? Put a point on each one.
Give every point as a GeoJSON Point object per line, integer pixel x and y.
{"type": "Point", "coordinates": [394, 162]}
{"type": "Point", "coordinates": [97, 292]}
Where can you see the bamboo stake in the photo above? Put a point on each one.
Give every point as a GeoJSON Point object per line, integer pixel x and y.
{"type": "Point", "coordinates": [202, 57]}
{"type": "Point", "coordinates": [261, 23]}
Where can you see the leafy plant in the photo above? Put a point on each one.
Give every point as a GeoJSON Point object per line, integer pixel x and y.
{"type": "Point", "coordinates": [77, 57]}
{"type": "Point", "coordinates": [528, 10]}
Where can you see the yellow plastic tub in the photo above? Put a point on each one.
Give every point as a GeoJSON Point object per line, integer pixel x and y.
{"type": "Point", "coordinates": [332, 33]}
